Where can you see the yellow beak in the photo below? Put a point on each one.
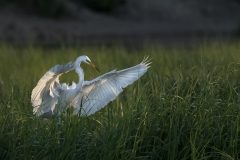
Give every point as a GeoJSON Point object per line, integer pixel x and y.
{"type": "Point", "coordinates": [93, 65]}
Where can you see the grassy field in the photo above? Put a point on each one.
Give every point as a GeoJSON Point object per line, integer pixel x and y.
{"type": "Point", "coordinates": [187, 106]}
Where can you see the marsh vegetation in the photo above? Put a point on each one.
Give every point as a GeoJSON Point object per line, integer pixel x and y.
{"type": "Point", "coordinates": [185, 107]}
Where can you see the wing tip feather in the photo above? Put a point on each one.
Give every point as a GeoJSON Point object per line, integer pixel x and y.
{"type": "Point", "coordinates": [146, 62]}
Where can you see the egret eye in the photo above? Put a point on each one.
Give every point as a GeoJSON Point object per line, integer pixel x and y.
{"type": "Point", "coordinates": [88, 61]}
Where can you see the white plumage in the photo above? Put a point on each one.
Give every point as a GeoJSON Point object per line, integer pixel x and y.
{"type": "Point", "coordinates": [50, 98]}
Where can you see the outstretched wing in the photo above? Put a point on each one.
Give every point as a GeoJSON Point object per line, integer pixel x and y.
{"type": "Point", "coordinates": [99, 92]}
{"type": "Point", "coordinates": [45, 95]}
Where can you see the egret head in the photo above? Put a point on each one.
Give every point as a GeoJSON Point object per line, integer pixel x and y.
{"type": "Point", "coordinates": [89, 62]}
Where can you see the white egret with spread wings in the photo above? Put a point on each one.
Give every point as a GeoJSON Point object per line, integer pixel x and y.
{"type": "Point", "coordinates": [50, 98]}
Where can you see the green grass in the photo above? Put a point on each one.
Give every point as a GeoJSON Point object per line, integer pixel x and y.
{"type": "Point", "coordinates": [187, 106]}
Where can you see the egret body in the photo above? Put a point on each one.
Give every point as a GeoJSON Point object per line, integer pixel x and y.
{"type": "Point", "coordinates": [50, 98]}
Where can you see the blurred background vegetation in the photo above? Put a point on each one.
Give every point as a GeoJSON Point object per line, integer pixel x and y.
{"type": "Point", "coordinates": [102, 5]}
{"type": "Point", "coordinates": [59, 9]}
{"type": "Point", "coordinates": [131, 22]}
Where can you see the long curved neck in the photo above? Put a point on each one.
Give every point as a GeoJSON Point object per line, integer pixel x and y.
{"type": "Point", "coordinates": [75, 91]}
{"type": "Point", "coordinates": [81, 77]}
{"type": "Point", "coordinates": [80, 73]}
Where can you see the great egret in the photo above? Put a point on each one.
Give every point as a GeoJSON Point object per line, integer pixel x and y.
{"type": "Point", "coordinates": [50, 98]}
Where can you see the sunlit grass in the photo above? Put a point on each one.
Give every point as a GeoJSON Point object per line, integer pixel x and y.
{"type": "Point", "coordinates": [185, 107]}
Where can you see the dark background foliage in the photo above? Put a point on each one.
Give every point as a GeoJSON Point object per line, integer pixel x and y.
{"type": "Point", "coordinates": [59, 9]}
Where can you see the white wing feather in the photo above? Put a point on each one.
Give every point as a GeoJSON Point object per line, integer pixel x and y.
{"type": "Point", "coordinates": [99, 92]}
{"type": "Point", "coordinates": [45, 95]}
